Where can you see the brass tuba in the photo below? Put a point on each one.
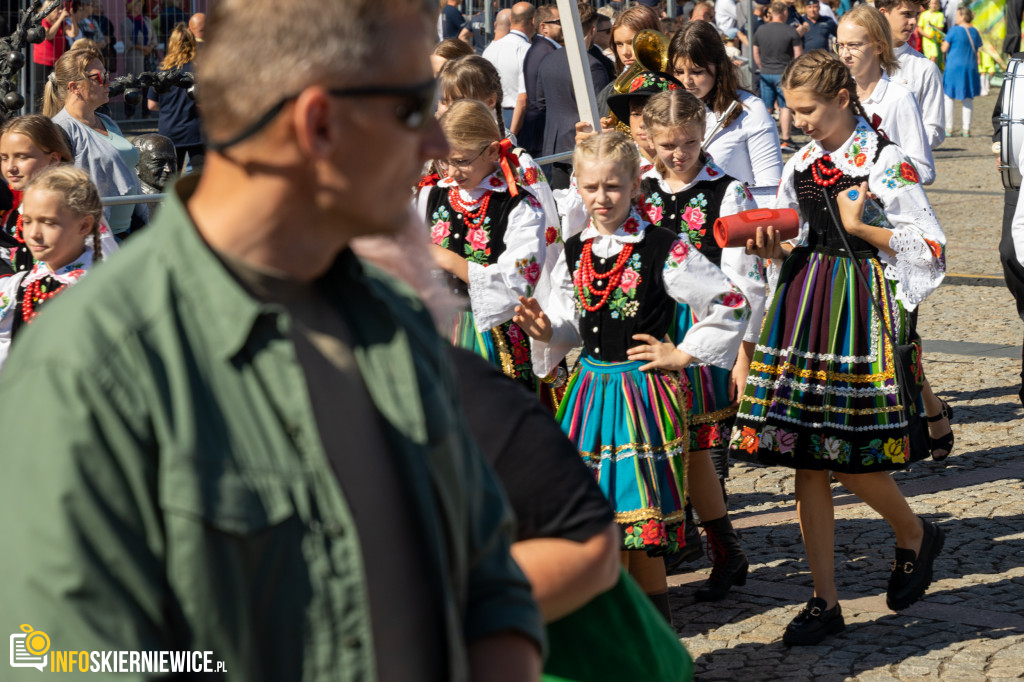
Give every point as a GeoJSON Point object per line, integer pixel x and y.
{"type": "Point", "coordinates": [650, 48]}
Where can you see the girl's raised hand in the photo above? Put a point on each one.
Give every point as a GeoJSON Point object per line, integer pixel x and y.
{"type": "Point", "coordinates": [532, 320]}
{"type": "Point", "coordinates": [851, 207]}
{"type": "Point", "coordinates": [583, 131]}
{"type": "Point", "coordinates": [766, 244]}
{"type": "Point", "coordinates": [658, 354]}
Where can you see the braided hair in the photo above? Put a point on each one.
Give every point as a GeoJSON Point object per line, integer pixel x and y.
{"type": "Point", "coordinates": [673, 109]}
{"type": "Point", "coordinates": [471, 77]}
{"type": "Point", "coordinates": [80, 196]}
{"type": "Point", "coordinates": [824, 74]}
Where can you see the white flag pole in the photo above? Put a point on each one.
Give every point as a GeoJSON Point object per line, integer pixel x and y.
{"type": "Point", "coordinates": [579, 63]}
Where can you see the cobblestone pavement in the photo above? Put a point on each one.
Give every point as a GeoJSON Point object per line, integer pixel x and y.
{"type": "Point", "coordinates": [970, 624]}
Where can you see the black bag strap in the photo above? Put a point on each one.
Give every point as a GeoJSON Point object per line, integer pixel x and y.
{"type": "Point", "coordinates": [860, 275]}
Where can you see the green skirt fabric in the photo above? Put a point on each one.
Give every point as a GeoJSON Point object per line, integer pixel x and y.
{"type": "Point", "coordinates": [618, 636]}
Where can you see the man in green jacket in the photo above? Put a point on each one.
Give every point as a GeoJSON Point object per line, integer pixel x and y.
{"type": "Point", "coordinates": [233, 438]}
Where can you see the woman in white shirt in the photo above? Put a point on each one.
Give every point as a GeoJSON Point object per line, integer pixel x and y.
{"type": "Point", "coordinates": [746, 146]}
{"type": "Point", "coordinates": [865, 46]}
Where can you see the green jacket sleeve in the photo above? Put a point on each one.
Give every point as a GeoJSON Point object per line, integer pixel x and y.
{"type": "Point", "coordinates": [83, 555]}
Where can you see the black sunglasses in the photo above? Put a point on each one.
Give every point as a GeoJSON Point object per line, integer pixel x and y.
{"type": "Point", "coordinates": [414, 111]}
{"type": "Point", "coordinates": [556, 22]}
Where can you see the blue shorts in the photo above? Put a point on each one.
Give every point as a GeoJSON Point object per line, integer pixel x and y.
{"type": "Point", "coordinates": [771, 91]}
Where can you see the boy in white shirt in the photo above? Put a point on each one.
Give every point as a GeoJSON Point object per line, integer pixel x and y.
{"type": "Point", "coordinates": [917, 73]}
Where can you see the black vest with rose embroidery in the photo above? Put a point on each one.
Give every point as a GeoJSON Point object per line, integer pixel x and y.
{"type": "Point", "coordinates": [824, 235]}
{"type": "Point", "coordinates": [704, 203]}
{"type": "Point", "coordinates": [439, 209]}
{"type": "Point", "coordinates": [641, 307]}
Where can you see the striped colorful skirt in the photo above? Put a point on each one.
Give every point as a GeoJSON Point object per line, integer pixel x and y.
{"type": "Point", "coordinates": [821, 393]}
{"type": "Point", "coordinates": [507, 347]}
{"type": "Point", "coordinates": [710, 413]}
{"type": "Point", "coordinates": [630, 429]}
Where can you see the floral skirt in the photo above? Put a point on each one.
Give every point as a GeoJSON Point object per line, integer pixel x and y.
{"type": "Point", "coordinates": [821, 393]}
{"type": "Point", "coordinates": [710, 412]}
{"type": "Point", "coordinates": [630, 429]}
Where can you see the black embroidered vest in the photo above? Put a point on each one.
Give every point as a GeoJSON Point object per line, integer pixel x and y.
{"type": "Point", "coordinates": [447, 229]}
{"type": "Point", "coordinates": [692, 211]}
{"type": "Point", "coordinates": [639, 306]}
{"type": "Point", "coordinates": [823, 234]}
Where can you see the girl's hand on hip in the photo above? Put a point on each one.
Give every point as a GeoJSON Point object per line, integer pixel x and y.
{"type": "Point", "coordinates": [658, 354]}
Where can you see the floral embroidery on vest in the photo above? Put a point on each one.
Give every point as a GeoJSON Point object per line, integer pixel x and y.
{"type": "Point", "coordinates": [477, 247]}
{"type": "Point", "coordinates": [622, 302]}
{"type": "Point", "coordinates": [441, 227]}
{"type": "Point", "coordinates": [653, 208]}
{"type": "Point", "coordinates": [695, 218]}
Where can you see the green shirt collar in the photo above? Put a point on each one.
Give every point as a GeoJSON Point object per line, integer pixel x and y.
{"type": "Point", "coordinates": [227, 310]}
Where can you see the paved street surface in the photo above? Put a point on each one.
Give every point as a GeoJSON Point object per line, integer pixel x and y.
{"type": "Point", "coordinates": [970, 624]}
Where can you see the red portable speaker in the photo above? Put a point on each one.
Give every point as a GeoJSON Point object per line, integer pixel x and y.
{"type": "Point", "coordinates": [736, 229]}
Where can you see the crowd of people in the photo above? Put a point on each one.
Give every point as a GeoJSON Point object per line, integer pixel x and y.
{"type": "Point", "coordinates": [382, 393]}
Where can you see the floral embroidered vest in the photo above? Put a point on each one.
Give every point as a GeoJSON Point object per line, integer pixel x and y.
{"type": "Point", "coordinates": [692, 211]}
{"type": "Point", "coordinates": [483, 245]}
{"type": "Point", "coordinates": [639, 306]}
{"type": "Point", "coordinates": [824, 235]}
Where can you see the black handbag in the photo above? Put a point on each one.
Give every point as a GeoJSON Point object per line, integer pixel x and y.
{"type": "Point", "coordinates": [907, 357]}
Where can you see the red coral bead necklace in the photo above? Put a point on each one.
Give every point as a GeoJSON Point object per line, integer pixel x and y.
{"type": "Point", "coordinates": [830, 173]}
{"type": "Point", "coordinates": [35, 295]}
{"type": "Point", "coordinates": [473, 213]}
{"type": "Point", "coordinates": [588, 276]}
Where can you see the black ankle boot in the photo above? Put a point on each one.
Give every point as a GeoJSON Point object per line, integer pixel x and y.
{"type": "Point", "coordinates": [660, 602]}
{"type": "Point", "coordinates": [691, 551]}
{"type": "Point", "coordinates": [730, 563]}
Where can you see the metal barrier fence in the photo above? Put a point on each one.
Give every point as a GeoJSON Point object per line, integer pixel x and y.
{"type": "Point", "coordinates": [133, 199]}
{"type": "Point", "coordinates": [157, 198]}
{"type": "Point", "coordinates": [112, 18]}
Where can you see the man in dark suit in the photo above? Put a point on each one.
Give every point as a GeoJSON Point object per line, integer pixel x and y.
{"type": "Point", "coordinates": [558, 99]}
{"type": "Point", "coordinates": [547, 39]}
{"type": "Point", "coordinates": [597, 53]}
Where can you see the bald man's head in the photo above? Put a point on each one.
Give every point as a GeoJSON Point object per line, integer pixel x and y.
{"type": "Point", "coordinates": [197, 24]}
{"type": "Point", "coordinates": [522, 16]}
{"type": "Point", "coordinates": [502, 23]}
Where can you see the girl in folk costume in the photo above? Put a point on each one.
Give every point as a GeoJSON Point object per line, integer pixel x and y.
{"type": "Point", "coordinates": [865, 46]}
{"type": "Point", "coordinates": [686, 192]}
{"type": "Point", "coordinates": [628, 107]}
{"type": "Point", "coordinates": [474, 77]}
{"type": "Point", "coordinates": [615, 289]}
{"type": "Point", "coordinates": [821, 395]}
{"type": "Point", "coordinates": [61, 212]}
{"type": "Point", "coordinates": [488, 234]}
{"type": "Point", "coordinates": [893, 112]}
{"type": "Point", "coordinates": [29, 144]}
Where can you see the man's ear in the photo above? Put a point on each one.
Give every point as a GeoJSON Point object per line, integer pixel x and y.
{"type": "Point", "coordinates": [312, 120]}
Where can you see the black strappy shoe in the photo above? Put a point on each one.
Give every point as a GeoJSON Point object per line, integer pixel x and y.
{"type": "Point", "coordinates": [944, 443]}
